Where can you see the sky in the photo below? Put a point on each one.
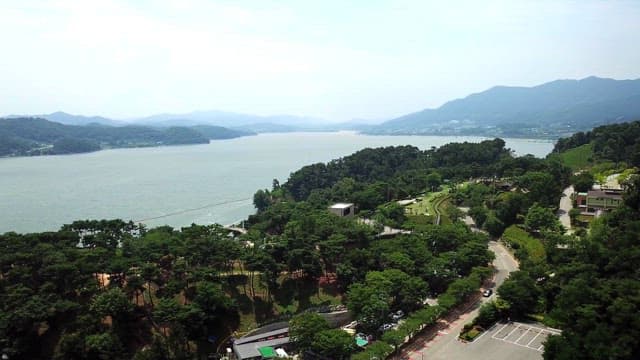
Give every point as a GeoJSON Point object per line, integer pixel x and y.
{"type": "Point", "coordinates": [336, 60]}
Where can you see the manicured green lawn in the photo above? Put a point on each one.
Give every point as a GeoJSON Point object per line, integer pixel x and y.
{"type": "Point", "coordinates": [518, 237]}
{"type": "Point", "coordinates": [578, 158]}
{"type": "Point", "coordinates": [428, 203]}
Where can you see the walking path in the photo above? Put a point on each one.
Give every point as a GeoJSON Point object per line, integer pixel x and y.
{"type": "Point", "coordinates": [566, 204]}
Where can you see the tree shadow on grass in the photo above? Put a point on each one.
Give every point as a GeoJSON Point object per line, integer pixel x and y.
{"type": "Point", "coordinates": [331, 289]}
{"type": "Point", "coordinates": [300, 290]}
{"type": "Point", "coordinates": [244, 303]}
{"type": "Point", "coordinates": [264, 310]}
{"type": "Point", "coordinates": [285, 294]}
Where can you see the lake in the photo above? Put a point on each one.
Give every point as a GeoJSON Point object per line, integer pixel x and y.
{"type": "Point", "coordinates": [178, 185]}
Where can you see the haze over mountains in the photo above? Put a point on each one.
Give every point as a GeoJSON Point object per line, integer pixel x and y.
{"type": "Point", "coordinates": [549, 110]}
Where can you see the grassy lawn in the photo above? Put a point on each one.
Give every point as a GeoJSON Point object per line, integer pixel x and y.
{"type": "Point", "coordinates": [519, 238]}
{"type": "Point", "coordinates": [427, 205]}
{"type": "Point", "coordinates": [578, 158]}
{"type": "Point", "coordinates": [442, 204]}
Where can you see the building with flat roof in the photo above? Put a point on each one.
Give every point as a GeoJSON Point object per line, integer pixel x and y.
{"type": "Point", "coordinates": [602, 200]}
{"type": "Point", "coordinates": [342, 209]}
{"type": "Point", "coordinates": [249, 347]}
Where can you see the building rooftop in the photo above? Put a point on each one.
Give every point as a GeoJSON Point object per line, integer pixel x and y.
{"type": "Point", "coordinates": [251, 350]}
{"type": "Point", "coordinates": [605, 194]}
{"type": "Point", "coordinates": [341, 205]}
{"type": "Point", "coordinates": [266, 335]}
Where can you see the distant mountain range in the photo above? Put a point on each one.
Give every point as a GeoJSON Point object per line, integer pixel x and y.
{"type": "Point", "coordinates": [68, 119]}
{"type": "Point", "coordinates": [552, 109]}
{"type": "Point", "coordinates": [229, 120]}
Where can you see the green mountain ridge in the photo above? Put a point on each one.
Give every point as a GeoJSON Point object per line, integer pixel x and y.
{"type": "Point", "coordinates": [35, 136]}
{"type": "Point", "coordinates": [557, 108]}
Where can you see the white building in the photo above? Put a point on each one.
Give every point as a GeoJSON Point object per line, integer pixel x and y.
{"type": "Point", "coordinates": [342, 209]}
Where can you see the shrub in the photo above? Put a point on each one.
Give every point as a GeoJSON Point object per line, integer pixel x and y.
{"type": "Point", "coordinates": [487, 315]}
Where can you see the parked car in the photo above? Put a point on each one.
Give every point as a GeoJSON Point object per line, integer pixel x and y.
{"type": "Point", "coordinates": [385, 327]}
{"type": "Point", "coordinates": [487, 293]}
{"type": "Point", "coordinates": [397, 315]}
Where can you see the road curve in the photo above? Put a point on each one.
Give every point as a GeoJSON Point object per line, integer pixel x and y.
{"type": "Point", "coordinates": [436, 345]}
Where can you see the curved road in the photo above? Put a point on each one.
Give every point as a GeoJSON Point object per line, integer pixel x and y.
{"type": "Point", "coordinates": [445, 344]}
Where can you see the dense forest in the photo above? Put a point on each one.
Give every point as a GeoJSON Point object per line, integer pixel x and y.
{"type": "Point", "coordinates": [617, 142]}
{"type": "Point", "coordinates": [33, 136]}
{"type": "Point", "coordinates": [117, 290]}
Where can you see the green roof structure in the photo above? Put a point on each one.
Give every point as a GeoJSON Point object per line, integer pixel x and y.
{"type": "Point", "coordinates": [267, 352]}
{"type": "Point", "coordinates": [361, 342]}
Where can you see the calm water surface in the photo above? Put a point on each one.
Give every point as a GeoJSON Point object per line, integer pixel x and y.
{"type": "Point", "coordinates": [178, 185]}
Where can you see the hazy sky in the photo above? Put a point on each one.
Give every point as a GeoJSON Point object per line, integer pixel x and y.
{"type": "Point", "coordinates": [332, 59]}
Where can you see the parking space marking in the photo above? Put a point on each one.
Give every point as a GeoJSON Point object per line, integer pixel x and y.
{"type": "Point", "coordinates": [485, 332]}
{"type": "Point", "coordinates": [518, 326]}
{"type": "Point", "coordinates": [538, 334]}
{"type": "Point", "coordinates": [503, 338]}
{"type": "Point", "coordinates": [499, 331]}
{"type": "Point", "coordinates": [523, 334]}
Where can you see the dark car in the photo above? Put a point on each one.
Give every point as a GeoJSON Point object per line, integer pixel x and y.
{"type": "Point", "coordinates": [487, 293]}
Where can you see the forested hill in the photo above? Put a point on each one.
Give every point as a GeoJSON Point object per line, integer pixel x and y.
{"type": "Point", "coordinates": [617, 143]}
{"type": "Point", "coordinates": [371, 177]}
{"type": "Point", "coordinates": [170, 292]}
{"type": "Point", "coordinates": [35, 136]}
{"type": "Point", "coordinates": [552, 109]}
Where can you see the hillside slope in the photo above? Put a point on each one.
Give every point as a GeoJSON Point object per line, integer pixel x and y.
{"type": "Point", "coordinates": [616, 143]}
{"type": "Point", "coordinates": [552, 109]}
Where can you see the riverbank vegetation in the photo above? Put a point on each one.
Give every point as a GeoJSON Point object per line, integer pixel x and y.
{"type": "Point", "coordinates": [34, 136]}
{"type": "Point", "coordinates": [118, 290]}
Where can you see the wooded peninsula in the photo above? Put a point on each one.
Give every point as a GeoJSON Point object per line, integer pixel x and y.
{"type": "Point", "coordinates": [112, 289]}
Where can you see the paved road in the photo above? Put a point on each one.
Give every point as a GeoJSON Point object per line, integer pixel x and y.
{"type": "Point", "coordinates": [469, 220]}
{"type": "Point", "coordinates": [445, 341]}
{"type": "Point", "coordinates": [565, 205]}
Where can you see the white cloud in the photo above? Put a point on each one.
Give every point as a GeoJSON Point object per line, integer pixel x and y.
{"type": "Point", "coordinates": [128, 58]}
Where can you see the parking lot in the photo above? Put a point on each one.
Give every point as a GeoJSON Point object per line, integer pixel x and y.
{"type": "Point", "coordinates": [503, 341]}
{"type": "Point", "coordinates": [523, 335]}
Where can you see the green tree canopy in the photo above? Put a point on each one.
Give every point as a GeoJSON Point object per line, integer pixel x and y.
{"type": "Point", "coordinates": [333, 343]}
{"type": "Point", "coordinates": [540, 218]}
{"type": "Point", "coordinates": [303, 329]}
